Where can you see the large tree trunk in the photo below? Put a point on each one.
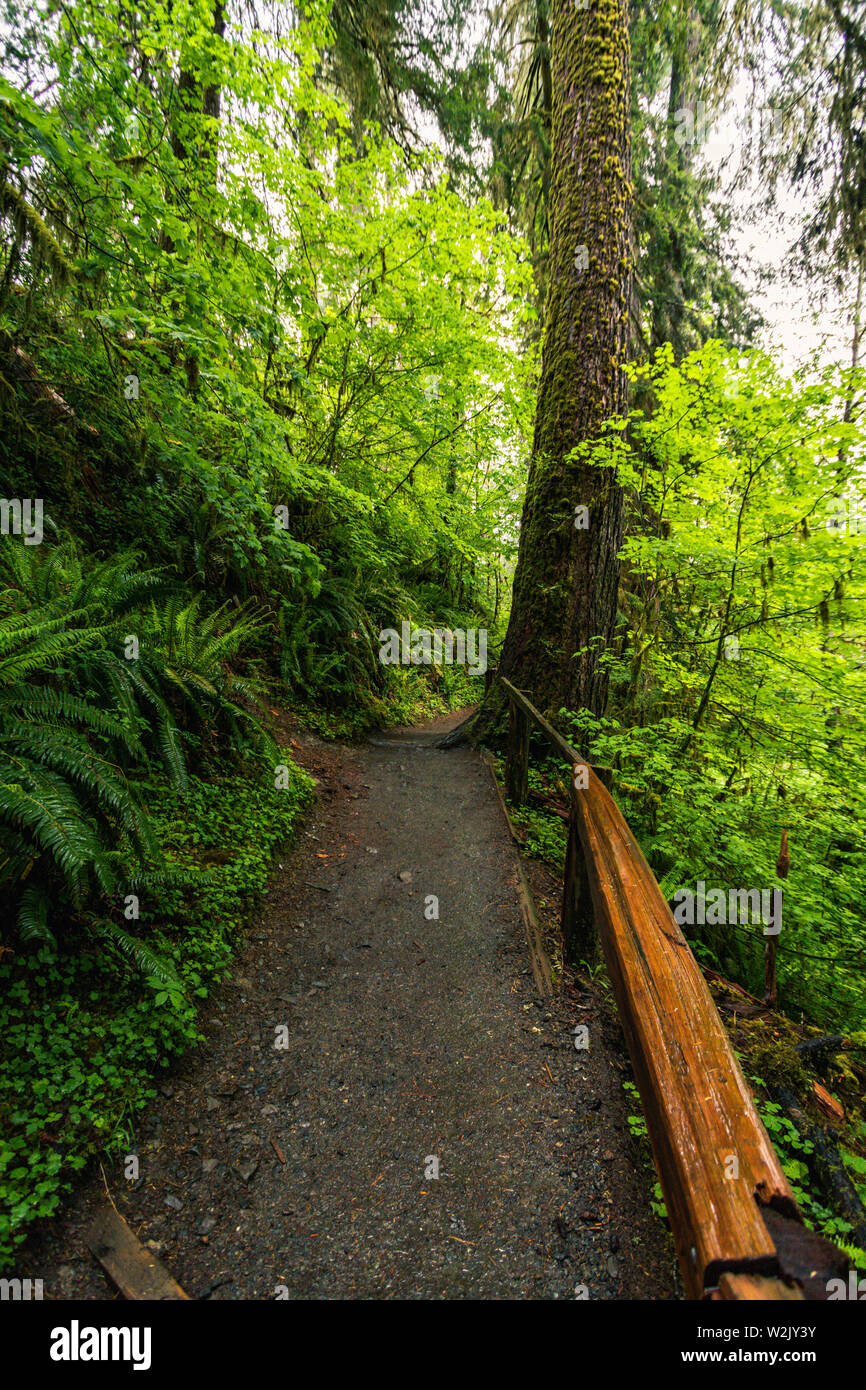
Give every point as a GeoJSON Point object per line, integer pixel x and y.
{"type": "Point", "coordinates": [565, 584]}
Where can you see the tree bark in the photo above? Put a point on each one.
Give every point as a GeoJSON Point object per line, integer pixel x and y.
{"type": "Point", "coordinates": [565, 584]}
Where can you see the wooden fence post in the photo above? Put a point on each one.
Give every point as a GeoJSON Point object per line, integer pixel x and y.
{"type": "Point", "coordinates": [579, 937]}
{"type": "Point", "coordinates": [772, 946]}
{"type": "Point", "coordinates": [517, 762]}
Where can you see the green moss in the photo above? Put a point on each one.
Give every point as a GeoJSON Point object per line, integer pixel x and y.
{"type": "Point", "coordinates": [780, 1065]}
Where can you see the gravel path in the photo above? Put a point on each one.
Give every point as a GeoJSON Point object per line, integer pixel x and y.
{"type": "Point", "coordinates": [415, 1045]}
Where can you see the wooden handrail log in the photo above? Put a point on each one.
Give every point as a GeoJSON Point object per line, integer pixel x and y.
{"type": "Point", "coordinates": [556, 739]}
{"type": "Point", "coordinates": [717, 1166]}
{"type": "Point", "coordinates": [715, 1161]}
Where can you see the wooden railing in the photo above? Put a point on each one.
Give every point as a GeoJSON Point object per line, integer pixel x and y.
{"type": "Point", "coordinates": [737, 1229]}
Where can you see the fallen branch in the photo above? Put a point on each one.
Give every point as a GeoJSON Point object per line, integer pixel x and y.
{"type": "Point", "coordinates": [554, 807]}
{"type": "Point", "coordinates": [816, 1047]}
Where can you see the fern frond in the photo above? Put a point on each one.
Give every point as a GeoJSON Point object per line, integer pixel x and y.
{"type": "Point", "coordinates": [32, 919]}
{"type": "Point", "coordinates": [149, 962]}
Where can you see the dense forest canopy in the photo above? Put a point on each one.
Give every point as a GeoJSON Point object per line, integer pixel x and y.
{"type": "Point", "coordinates": [278, 288]}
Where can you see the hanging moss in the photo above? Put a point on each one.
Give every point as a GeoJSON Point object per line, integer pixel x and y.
{"type": "Point", "coordinates": [31, 229]}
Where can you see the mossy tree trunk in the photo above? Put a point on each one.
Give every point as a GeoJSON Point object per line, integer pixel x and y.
{"type": "Point", "coordinates": [565, 584]}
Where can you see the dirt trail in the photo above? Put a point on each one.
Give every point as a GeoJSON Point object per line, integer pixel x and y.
{"type": "Point", "coordinates": [413, 1044]}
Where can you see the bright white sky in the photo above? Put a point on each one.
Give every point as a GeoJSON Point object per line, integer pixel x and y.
{"type": "Point", "coordinates": [796, 329]}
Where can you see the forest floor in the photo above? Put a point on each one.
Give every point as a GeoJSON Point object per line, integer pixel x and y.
{"type": "Point", "coordinates": [308, 1170]}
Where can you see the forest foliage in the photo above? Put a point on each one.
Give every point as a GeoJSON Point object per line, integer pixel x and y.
{"type": "Point", "coordinates": [272, 286]}
{"type": "Point", "coordinates": [270, 390]}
